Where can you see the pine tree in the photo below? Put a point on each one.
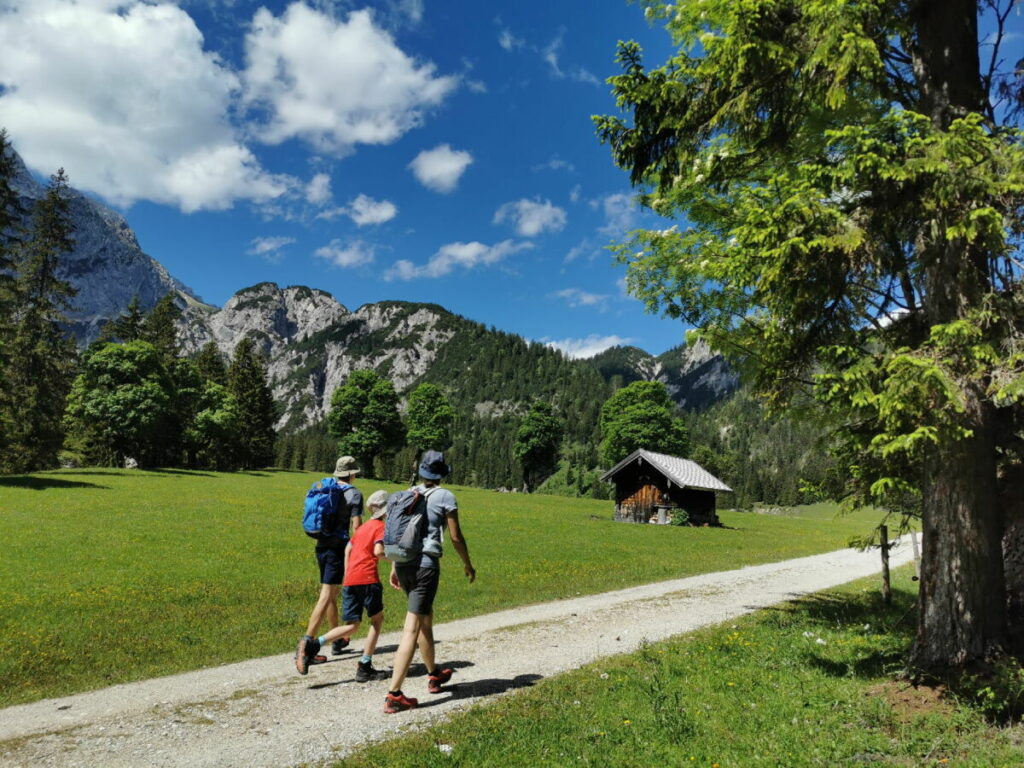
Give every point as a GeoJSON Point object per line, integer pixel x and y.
{"type": "Point", "coordinates": [126, 327]}
{"type": "Point", "coordinates": [159, 329]}
{"type": "Point", "coordinates": [42, 357]}
{"type": "Point", "coordinates": [210, 364]}
{"type": "Point", "coordinates": [247, 382]}
{"type": "Point", "coordinates": [11, 213]}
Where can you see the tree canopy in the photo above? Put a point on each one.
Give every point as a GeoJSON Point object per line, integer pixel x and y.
{"type": "Point", "coordinates": [429, 419]}
{"type": "Point", "coordinates": [364, 417]}
{"type": "Point", "coordinates": [641, 415]}
{"type": "Point", "coordinates": [851, 180]}
{"type": "Point", "coordinates": [538, 440]}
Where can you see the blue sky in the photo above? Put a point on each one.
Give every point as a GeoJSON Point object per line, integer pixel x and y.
{"type": "Point", "coordinates": [423, 150]}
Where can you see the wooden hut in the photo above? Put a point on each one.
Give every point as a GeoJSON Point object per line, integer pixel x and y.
{"type": "Point", "coordinates": [651, 488]}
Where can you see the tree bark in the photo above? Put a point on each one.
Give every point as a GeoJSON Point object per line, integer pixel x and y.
{"type": "Point", "coordinates": [962, 601]}
{"type": "Point", "coordinates": [962, 614]}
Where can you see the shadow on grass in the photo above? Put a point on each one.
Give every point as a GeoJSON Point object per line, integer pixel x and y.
{"type": "Point", "coordinates": [187, 472]}
{"type": "Point", "coordinates": [42, 483]}
{"type": "Point", "coordinates": [829, 610]}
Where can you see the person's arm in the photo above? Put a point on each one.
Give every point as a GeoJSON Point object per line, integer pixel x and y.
{"type": "Point", "coordinates": [348, 551]}
{"type": "Point", "coordinates": [458, 540]}
{"type": "Point", "coordinates": [356, 521]}
{"type": "Point", "coordinates": [394, 578]}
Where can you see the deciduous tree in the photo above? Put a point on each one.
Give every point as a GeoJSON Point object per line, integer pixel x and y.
{"type": "Point", "coordinates": [364, 417]}
{"type": "Point", "coordinates": [641, 415]}
{"type": "Point", "coordinates": [538, 440]}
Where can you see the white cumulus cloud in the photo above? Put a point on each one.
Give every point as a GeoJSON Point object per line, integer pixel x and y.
{"type": "Point", "coordinates": [587, 347]}
{"type": "Point", "coordinates": [269, 248]}
{"type": "Point", "coordinates": [531, 217]}
{"type": "Point", "coordinates": [455, 256]}
{"type": "Point", "coordinates": [123, 95]}
{"type": "Point", "coordinates": [354, 253]}
{"type": "Point", "coordinates": [620, 213]}
{"type": "Point", "coordinates": [364, 210]}
{"type": "Point", "coordinates": [318, 191]}
{"type": "Point", "coordinates": [440, 168]}
{"type": "Point", "coordinates": [335, 83]}
{"type": "Point", "coordinates": [576, 297]}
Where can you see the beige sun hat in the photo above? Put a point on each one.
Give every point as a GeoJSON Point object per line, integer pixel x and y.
{"type": "Point", "coordinates": [346, 466]}
{"type": "Point", "coordinates": [377, 504]}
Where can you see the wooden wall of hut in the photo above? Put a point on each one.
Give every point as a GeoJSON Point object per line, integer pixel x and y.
{"type": "Point", "coordinates": [638, 506]}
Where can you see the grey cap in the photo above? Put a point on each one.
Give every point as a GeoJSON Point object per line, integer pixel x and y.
{"type": "Point", "coordinates": [346, 466]}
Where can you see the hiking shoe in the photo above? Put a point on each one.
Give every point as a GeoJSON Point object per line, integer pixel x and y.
{"type": "Point", "coordinates": [339, 645]}
{"type": "Point", "coordinates": [439, 678]}
{"type": "Point", "coordinates": [365, 673]}
{"type": "Point", "coordinates": [305, 653]}
{"type": "Point", "coordinates": [318, 659]}
{"type": "Point", "coordinates": [398, 702]}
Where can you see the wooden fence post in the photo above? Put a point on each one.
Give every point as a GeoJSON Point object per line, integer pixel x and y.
{"type": "Point", "coordinates": [883, 533]}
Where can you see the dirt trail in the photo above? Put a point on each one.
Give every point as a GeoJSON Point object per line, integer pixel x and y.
{"type": "Point", "coordinates": [262, 713]}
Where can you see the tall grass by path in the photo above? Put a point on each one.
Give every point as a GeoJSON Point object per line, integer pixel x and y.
{"type": "Point", "coordinates": [810, 683]}
{"type": "Point", "coordinates": [111, 575]}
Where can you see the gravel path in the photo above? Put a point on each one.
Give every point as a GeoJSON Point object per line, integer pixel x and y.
{"type": "Point", "coordinates": [261, 713]}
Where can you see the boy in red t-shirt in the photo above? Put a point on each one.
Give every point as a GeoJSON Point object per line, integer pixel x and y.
{"type": "Point", "coordinates": [361, 588]}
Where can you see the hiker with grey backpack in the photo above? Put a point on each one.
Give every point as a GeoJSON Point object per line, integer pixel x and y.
{"type": "Point", "coordinates": [333, 508]}
{"type": "Point", "coordinates": [413, 542]}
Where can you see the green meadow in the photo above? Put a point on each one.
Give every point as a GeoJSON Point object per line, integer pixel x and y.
{"type": "Point", "coordinates": [111, 575]}
{"type": "Point", "coordinates": [809, 683]}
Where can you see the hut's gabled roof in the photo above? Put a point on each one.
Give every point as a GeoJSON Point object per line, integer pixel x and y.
{"type": "Point", "coordinates": [682, 472]}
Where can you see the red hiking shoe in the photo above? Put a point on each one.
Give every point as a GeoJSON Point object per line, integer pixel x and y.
{"type": "Point", "coordinates": [398, 702]}
{"type": "Point", "coordinates": [439, 678]}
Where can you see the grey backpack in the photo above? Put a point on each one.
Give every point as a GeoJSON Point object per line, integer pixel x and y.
{"type": "Point", "coordinates": [405, 526]}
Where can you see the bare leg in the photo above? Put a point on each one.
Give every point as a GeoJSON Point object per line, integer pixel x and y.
{"type": "Point", "coordinates": [426, 641]}
{"type": "Point", "coordinates": [328, 599]}
{"type": "Point", "coordinates": [406, 648]}
{"type": "Point", "coordinates": [346, 631]}
{"type": "Point", "coordinates": [332, 613]}
{"type": "Point", "coordinates": [373, 634]}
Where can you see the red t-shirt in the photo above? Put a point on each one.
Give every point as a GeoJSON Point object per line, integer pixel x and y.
{"type": "Point", "coordinates": [362, 565]}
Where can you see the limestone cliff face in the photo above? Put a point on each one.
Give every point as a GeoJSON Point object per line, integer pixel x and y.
{"type": "Point", "coordinates": [313, 343]}
{"type": "Point", "coordinates": [107, 266]}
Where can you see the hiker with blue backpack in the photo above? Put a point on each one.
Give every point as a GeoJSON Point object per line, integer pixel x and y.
{"type": "Point", "coordinates": [413, 542]}
{"type": "Point", "coordinates": [333, 508]}
{"type": "Point", "coordinates": [361, 591]}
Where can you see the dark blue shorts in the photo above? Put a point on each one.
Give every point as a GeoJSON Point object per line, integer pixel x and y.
{"type": "Point", "coordinates": [332, 564]}
{"type": "Point", "coordinates": [362, 596]}
{"type": "Point", "coordinates": [420, 584]}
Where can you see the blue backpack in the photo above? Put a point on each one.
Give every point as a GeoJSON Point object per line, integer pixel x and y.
{"type": "Point", "coordinates": [321, 505]}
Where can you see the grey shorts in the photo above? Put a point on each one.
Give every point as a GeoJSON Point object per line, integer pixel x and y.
{"type": "Point", "coordinates": [420, 584]}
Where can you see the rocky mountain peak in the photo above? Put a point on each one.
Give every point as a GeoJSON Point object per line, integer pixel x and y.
{"type": "Point", "coordinates": [106, 267]}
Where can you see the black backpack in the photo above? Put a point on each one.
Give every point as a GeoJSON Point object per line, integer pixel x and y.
{"type": "Point", "coordinates": [405, 525]}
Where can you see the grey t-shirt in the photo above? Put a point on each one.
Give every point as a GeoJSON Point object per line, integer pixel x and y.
{"type": "Point", "coordinates": [440, 503]}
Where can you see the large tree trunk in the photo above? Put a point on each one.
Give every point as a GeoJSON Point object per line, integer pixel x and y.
{"type": "Point", "coordinates": [962, 603]}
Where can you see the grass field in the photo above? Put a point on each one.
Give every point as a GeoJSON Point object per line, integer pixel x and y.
{"type": "Point", "coordinates": [806, 684]}
{"type": "Point", "coordinates": [116, 575]}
